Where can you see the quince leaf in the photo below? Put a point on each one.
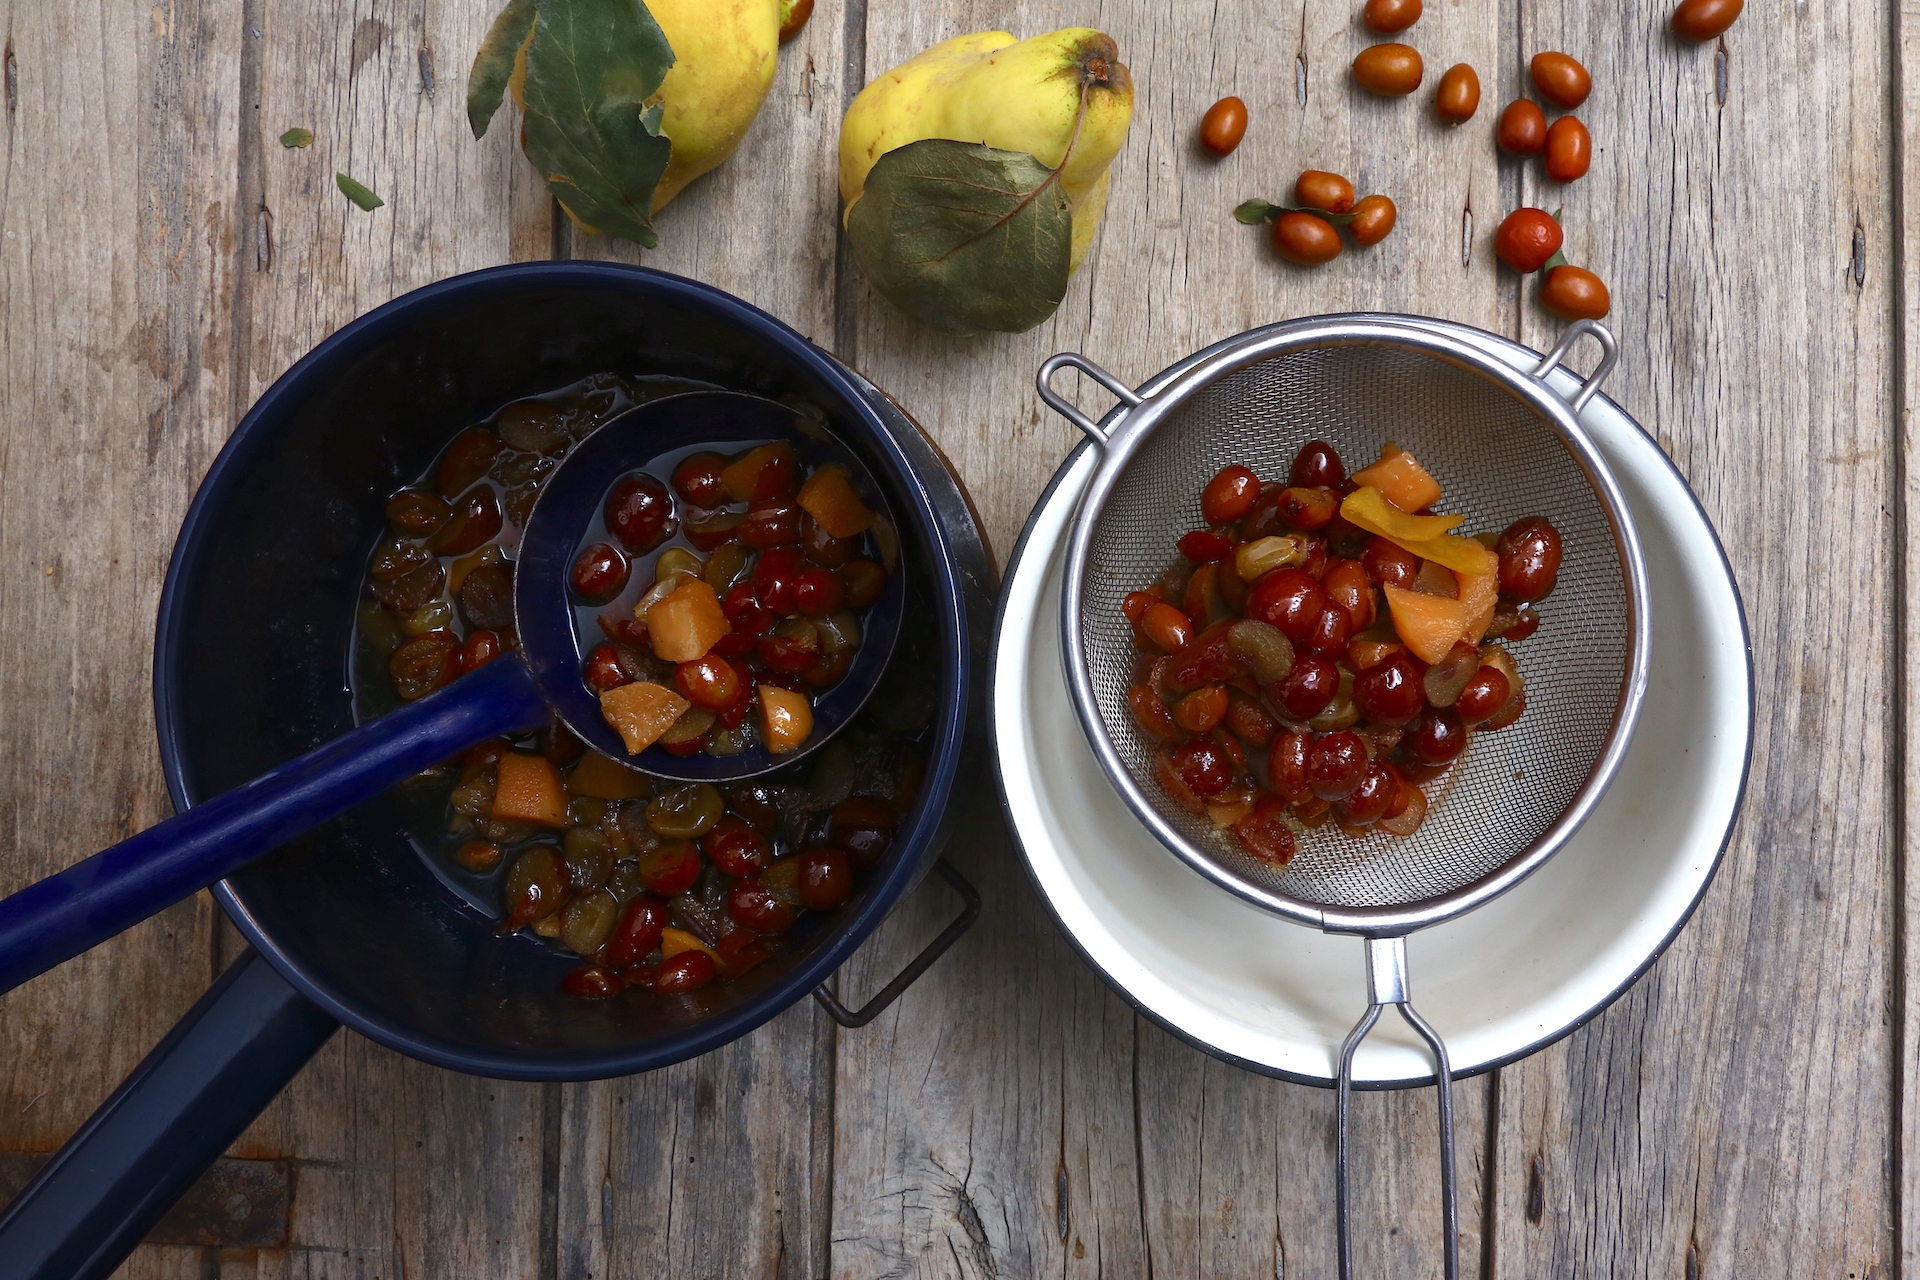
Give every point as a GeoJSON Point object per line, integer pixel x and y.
{"type": "Point", "coordinates": [357, 192]}
{"type": "Point", "coordinates": [963, 236]}
{"type": "Point", "coordinates": [493, 64]}
{"type": "Point", "coordinates": [591, 66]}
{"type": "Point", "coordinates": [1256, 212]}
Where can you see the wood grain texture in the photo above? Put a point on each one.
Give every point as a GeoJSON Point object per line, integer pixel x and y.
{"type": "Point", "coordinates": [1905, 997]}
{"type": "Point", "coordinates": [1732, 1115]}
{"type": "Point", "coordinates": [355, 77]}
{"type": "Point", "coordinates": [719, 1167]}
{"type": "Point", "coordinates": [116, 258]}
{"type": "Point", "coordinates": [1240, 1171]}
{"type": "Point", "coordinates": [985, 1124]}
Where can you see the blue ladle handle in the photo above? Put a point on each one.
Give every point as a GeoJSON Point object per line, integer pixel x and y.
{"type": "Point", "coordinates": [115, 889]}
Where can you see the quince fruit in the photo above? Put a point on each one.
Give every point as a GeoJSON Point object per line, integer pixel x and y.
{"type": "Point", "coordinates": [624, 102]}
{"type": "Point", "coordinates": [725, 54]}
{"type": "Point", "coordinates": [1064, 98]}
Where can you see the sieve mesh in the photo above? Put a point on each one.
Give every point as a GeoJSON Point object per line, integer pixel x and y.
{"type": "Point", "coordinates": [1499, 459]}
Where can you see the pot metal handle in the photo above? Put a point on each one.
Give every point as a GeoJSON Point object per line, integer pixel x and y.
{"type": "Point", "coordinates": [873, 1008]}
{"type": "Point", "coordinates": [1059, 404]}
{"type": "Point", "coordinates": [1609, 356]}
{"type": "Point", "coordinates": [1387, 981]}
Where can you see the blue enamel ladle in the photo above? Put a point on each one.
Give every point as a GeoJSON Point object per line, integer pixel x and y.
{"type": "Point", "coordinates": [67, 913]}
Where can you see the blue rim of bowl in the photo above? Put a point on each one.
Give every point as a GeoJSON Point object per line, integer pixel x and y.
{"type": "Point", "coordinates": [1258, 1068]}
{"type": "Point", "coordinates": [915, 844]}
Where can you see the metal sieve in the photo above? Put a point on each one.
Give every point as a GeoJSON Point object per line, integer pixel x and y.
{"type": "Point", "coordinates": [1506, 445]}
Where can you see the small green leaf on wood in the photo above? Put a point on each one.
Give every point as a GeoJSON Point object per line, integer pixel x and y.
{"type": "Point", "coordinates": [296, 138]}
{"type": "Point", "coordinates": [1255, 212]}
{"type": "Point", "coordinates": [493, 64]}
{"type": "Point", "coordinates": [357, 193]}
{"type": "Point", "coordinates": [591, 66]}
{"type": "Point", "coordinates": [964, 237]}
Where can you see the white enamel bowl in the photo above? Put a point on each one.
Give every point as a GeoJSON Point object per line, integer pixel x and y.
{"type": "Point", "coordinates": [1496, 983]}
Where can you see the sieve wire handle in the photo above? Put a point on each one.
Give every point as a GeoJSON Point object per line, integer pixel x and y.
{"type": "Point", "coordinates": [1387, 981]}
{"type": "Point", "coordinates": [1060, 405]}
{"type": "Point", "coordinates": [1609, 356]}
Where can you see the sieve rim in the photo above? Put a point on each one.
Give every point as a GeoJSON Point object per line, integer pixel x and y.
{"type": "Point", "coordinates": [1126, 428]}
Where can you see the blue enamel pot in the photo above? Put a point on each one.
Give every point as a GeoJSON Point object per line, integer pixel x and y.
{"type": "Point", "coordinates": [349, 924]}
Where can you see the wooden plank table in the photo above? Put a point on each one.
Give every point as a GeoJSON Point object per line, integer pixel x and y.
{"type": "Point", "coordinates": [1746, 1110]}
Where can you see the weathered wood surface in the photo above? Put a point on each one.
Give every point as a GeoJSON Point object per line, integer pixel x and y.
{"type": "Point", "coordinates": [116, 283]}
{"type": "Point", "coordinates": [1746, 1110]}
{"type": "Point", "coordinates": [1904, 1003]}
{"type": "Point", "coordinates": [1734, 1115]}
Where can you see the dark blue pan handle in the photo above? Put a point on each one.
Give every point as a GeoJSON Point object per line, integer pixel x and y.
{"type": "Point", "coordinates": [112, 891]}
{"type": "Point", "coordinates": [185, 1104]}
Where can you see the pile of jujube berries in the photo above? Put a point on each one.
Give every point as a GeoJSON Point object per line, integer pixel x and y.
{"type": "Point", "coordinates": [1273, 679]}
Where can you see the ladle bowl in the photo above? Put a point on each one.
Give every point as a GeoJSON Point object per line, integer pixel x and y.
{"type": "Point", "coordinates": [552, 646]}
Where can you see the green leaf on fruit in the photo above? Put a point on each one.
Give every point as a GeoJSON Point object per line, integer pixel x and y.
{"type": "Point", "coordinates": [1255, 212]}
{"type": "Point", "coordinates": [585, 69]}
{"type": "Point", "coordinates": [964, 237]}
{"type": "Point", "coordinates": [493, 64]}
{"type": "Point", "coordinates": [1559, 258]}
{"type": "Point", "coordinates": [296, 138]}
{"type": "Point", "coordinates": [357, 193]}
{"type": "Point", "coordinates": [591, 66]}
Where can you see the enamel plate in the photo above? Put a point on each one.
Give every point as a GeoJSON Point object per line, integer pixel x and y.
{"type": "Point", "coordinates": [1497, 983]}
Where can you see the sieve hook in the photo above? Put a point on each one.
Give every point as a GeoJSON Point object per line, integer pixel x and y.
{"type": "Point", "coordinates": [1387, 983]}
{"type": "Point", "coordinates": [1609, 356]}
{"type": "Point", "coordinates": [1059, 404]}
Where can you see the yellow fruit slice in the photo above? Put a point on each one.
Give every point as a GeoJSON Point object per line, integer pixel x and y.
{"type": "Point", "coordinates": [1369, 508]}
{"type": "Point", "coordinates": [829, 498]}
{"type": "Point", "coordinates": [529, 790]}
{"type": "Point", "coordinates": [1425, 536]}
{"type": "Point", "coordinates": [1400, 477]}
{"type": "Point", "coordinates": [674, 940]}
{"type": "Point", "coordinates": [685, 624]}
{"type": "Point", "coordinates": [1428, 625]}
{"type": "Point", "coordinates": [1480, 593]}
{"type": "Point", "coordinates": [607, 779]}
{"type": "Point", "coordinates": [786, 718]}
{"type": "Point", "coordinates": [640, 712]}
{"type": "Point", "coordinates": [1462, 555]}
